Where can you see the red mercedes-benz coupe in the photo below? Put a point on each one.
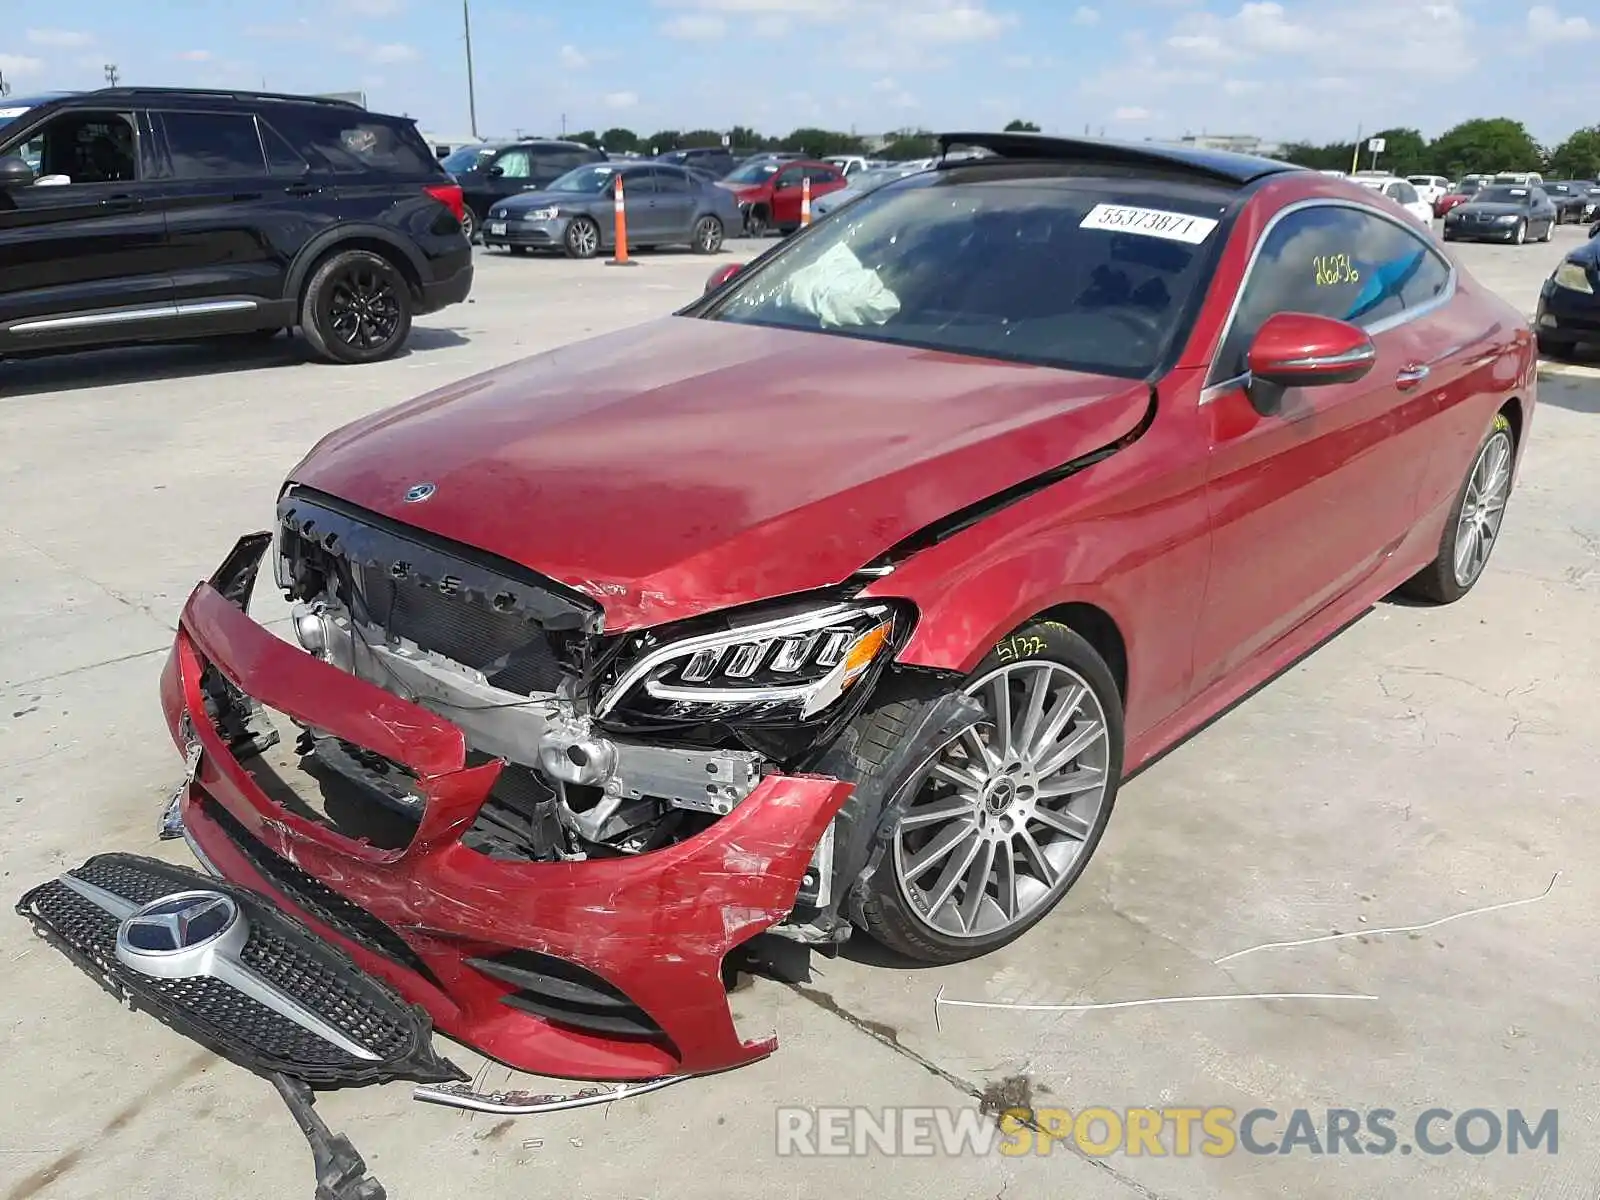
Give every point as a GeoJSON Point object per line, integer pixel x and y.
{"type": "Point", "coordinates": [840, 601]}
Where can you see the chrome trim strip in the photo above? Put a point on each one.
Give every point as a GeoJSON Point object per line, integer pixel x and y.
{"type": "Point", "coordinates": [96, 895]}
{"type": "Point", "coordinates": [1349, 358]}
{"type": "Point", "coordinates": [524, 1104]}
{"type": "Point", "coordinates": [155, 312]}
{"type": "Point", "coordinates": [199, 854]}
{"type": "Point", "coordinates": [1212, 390]}
{"type": "Point", "coordinates": [800, 623]}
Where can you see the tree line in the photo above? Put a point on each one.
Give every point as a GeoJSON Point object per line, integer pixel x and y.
{"type": "Point", "coordinates": [1483, 145]}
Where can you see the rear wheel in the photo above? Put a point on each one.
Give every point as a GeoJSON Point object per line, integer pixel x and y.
{"type": "Point", "coordinates": [469, 224]}
{"type": "Point", "coordinates": [1005, 818]}
{"type": "Point", "coordinates": [357, 308]}
{"type": "Point", "coordinates": [1473, 527]}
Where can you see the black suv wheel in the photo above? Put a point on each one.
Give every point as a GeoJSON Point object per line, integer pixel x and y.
{"type": "Point", "coordinates": [357, 308]}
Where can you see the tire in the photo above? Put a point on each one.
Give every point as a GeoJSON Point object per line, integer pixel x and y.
{"type": "Point", "coordinates": [1440, 582]}
{"type": "Point", "coordinates": [999, 811]}
{"type": "Point", "coordinates": [469, 224]}
{"type": "Point", "coordinates": [708, 236]}
{"type": "Point", "coordinates": [1549, 232]}
{"type": "Point", "coordinates": [1520, 234]}
{"type": "Point", "coordinates": [356, 308]}
{"type": "Point", "coordinates": [757, 224]}
{"type": "Point", "coordinates": [582, 238]}
{"type": "Point", "coordinates": [517, 251]}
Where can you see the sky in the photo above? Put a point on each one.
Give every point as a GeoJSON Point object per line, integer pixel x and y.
{"type": "Point", "coordinates": [1284, 70]}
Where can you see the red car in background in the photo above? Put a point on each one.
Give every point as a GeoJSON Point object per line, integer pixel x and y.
{"type": "Point", "coordinates": [841, 601]}
{"type": "Point", "coordinates": [770, 191]}
{"type": "Point", "coordinates": [1469, 187]}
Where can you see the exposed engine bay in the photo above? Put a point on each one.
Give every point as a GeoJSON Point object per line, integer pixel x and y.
{"type": "Point", "coordinates": [612, 745]}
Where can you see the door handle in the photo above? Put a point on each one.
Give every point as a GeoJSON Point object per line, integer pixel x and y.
{"type": "Point", "coordinates": [1410, 376]}
{"type": "Point", "coordinates": [303, 189]}
{"type": "Point", "coordinates": [122, 203]}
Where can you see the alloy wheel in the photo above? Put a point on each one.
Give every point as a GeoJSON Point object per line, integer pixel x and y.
{"type": "Point", "coordinates": [1483, 508]}
{"type": "Point", "coordinates": [364, 307]}
{"type": "Point", "coordinates": [1003, 816]}
{"type": "Point", "coordinates": [469, 225]}
{"type": "Point", "coordinates": [584, 238]}
{"type": "Point", "coordinates": [708, 235]}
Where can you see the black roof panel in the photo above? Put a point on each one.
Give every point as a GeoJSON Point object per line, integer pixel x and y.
{"type": "Point", "coordinates": [1221, 165]}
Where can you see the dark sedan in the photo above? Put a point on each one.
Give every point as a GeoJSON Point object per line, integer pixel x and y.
{"type": "Point", "coordinates": [1569, 302]}
{"type": "Point", "coordinates": [666, 205]}
{"type": "Point", "coordinates": [1572, 198]}
{"type": "Point", "coordinates": [1503, 213]}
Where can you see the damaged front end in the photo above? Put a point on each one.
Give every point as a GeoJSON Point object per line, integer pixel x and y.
{"type": "Point", "coordinates": [550, 843]}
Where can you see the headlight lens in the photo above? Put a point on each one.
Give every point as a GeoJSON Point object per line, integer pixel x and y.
{"type": "Point", "coordinates": [1507, 218]}
{"type": "Point", "coordinates": [542, 214]}
{"type": "Point", "coordinates": [792, 666]}
{"type": "Point", "coordinates": [1572, 275]}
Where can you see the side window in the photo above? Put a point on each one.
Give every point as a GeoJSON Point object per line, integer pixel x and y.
{"type": "Point", "coordinates": [642, 182]}
{"type": "Point", "coordinates": [822, 174]}
{"type": "Point", "coordinates": [789, 178]}
{"type": "Point", "coordinates": [213, 145]}
{"type": "Point", "coordinates": [83, 147]}
{"type": "Point", "coordinates": [675, 182]}
{"type": "Point", "coordinates": [353, 142]}
{"type": "Point", "coordinates": [513, 164]}
{"type": "Point", "coordinates": [1332, 261]}
{"type": "Point", "coordinates": [1402, 192]}
{"type": "Point", "coordinates": [282, 158]}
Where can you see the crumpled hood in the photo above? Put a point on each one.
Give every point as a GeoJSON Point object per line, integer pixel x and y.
{"type": "Point", "coordinates": [687, 465]}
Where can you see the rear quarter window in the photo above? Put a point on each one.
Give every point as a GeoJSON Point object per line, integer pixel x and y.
{"type": "Point", "coordinates": [350, 142]}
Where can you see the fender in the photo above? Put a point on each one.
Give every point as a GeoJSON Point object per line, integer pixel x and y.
{"type": "Point", "coordinates": [300, 269]}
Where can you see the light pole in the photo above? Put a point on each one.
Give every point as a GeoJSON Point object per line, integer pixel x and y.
{"type": "Point", "coordinates": [111, 74]}
{"type": "Point", "coordinates": [472, 91]}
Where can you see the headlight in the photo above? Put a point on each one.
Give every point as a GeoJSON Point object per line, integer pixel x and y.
{"type": "Point", "coordinates": [541, 214]}
{"type": "Point", "coordinates": [1572, 275]}
{"type": "Point", "coordinates": [793, 666]}
{"type": "Point", "coordinates": [1506, 219]}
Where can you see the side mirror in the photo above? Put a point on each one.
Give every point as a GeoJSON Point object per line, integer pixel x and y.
{"type": "Point", "coordinates": [721, 276]}
{"type": "Point", "coordinates": [495, 172]}
{"type": "Point", "coordinates": [15, 172]}
{"type": "Point", "coordinates": [1302, 350]}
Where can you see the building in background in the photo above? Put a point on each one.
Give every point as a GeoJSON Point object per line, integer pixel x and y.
{"type": "Point", "coordinates": [1239, 143]}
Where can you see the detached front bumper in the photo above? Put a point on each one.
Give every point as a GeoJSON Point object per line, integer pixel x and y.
{"type": "Point", "coordinates": [632, 946]}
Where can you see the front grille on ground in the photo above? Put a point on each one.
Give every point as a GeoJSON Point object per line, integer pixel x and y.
{"type": "Point", "coordinates": [344, 917]}
{"type": "Point", "coordinates": [263, 1027]}
{"type": "Point", "coordinates": [565, 994]}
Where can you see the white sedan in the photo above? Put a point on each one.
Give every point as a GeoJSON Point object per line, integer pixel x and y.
{"type": "Point", "coordinates": [1401, 192]}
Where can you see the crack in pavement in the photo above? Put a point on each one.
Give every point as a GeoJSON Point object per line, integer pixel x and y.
{"type": "Point", "coordinates": [87, 578]}
{"type": "Point", "coordinates": [878, 1033]}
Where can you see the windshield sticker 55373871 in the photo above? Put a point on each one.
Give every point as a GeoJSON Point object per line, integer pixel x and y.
{"type": "Point", "coordinates": [1151, 222]}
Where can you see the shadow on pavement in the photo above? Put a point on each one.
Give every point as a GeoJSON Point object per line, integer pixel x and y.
{"type": "Point", "coordinates": [72, 370]}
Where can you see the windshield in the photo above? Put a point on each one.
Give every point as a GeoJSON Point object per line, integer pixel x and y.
{"type": "Point", "coordinates": [756, 172]}
{"type": "Point", "coordinates": [8, 115]}
{"type": "Point", "coordinates": [1503, 195]}
{"type": "Point", "coordinates": [590, 180]}
{"type": "Point", "coordinates": [1059, 272]}
{"type": "Point", "coordinates": [465, 159]}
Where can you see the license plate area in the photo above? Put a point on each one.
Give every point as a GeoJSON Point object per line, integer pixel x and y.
{"type": "Point", "coordinates": [497, 226]}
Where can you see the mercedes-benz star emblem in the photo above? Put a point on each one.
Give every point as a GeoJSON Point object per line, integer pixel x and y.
{"type": "Point", "coordinates": [176, 936]}
{"type": "Point", "coordinates": [418, 492]}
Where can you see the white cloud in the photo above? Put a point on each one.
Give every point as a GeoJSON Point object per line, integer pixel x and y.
{"type": "Point", "coordinates": [393, 52]}
{"type": "Point", "coordinates": [59, 37]}
{"type": "Point", "coordinates": [573, 59]}
{"type": "Point", "coordinates": [293, 31]}
{"type": "Point", "coordinates": [1241, 87]}
{"type": "Point", "coordinates": [195, 55]}
{"type": "Point", "coordinates": [1131, 113]}
{"type": "Point", "coordinates": [1086, 15]}
{"type": "Point", "coordinates": [959, 21]}
{"type": "Point", "coordinates": [696, 27]}
{"type": "Point", "coordinates": [620, 100]}
{"type": "Point", "coordinates": [1546, 26]}
{"type": "Point", "coordinates": [19, 65]}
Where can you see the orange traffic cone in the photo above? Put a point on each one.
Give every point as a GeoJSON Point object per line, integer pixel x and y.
{"type": "Point", "coordinates": [620, 257]}
{"type": "Point", "coordinates": [805, 200]}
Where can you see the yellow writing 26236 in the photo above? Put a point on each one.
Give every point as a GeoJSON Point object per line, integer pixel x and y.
{"type": "Point", "coordinates": [1334, 270]}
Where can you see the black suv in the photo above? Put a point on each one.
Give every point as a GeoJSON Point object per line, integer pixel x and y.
{"type": "Point", "coordinates": [518, 167]}
{"type": "Point", "coordinates": [717, 160]}
{"type": "Point", "coordinates": [140, 214]}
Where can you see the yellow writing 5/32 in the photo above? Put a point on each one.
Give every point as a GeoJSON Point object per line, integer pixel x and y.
{"type": "Point", "coordinates": [1334, 270]}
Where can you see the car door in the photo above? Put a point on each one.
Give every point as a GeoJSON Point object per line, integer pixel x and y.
{"type": "Point", "coordinates": [235, 221]}
{"type": "Point", "coordinates": [673, 203]}
{"type": "Point", "coordinates": [83, 251]}
{"type": "Point", "coordinates": [786, 197]}
{"type": "Point", "coordinates": [1544, 212]}
{"type": "Point", "coordinates": [1311, 495]}
{"type": "Point", "coordinates": [825, 180]}
{"type": "Point", "coordinates": [509, 172]}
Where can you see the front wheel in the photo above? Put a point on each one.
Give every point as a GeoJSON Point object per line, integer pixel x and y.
{"type": "Point", "coordinates": [1549, 230]}
{"type": "Point", "coordinates": [469, 224]}
{"type": "Point", "coordinates": [357, 308]}
{"type": "Point", "coordinates": [1473, 527]}
{"type": "Point", "coordinates": [1004, 819]}
{"type": "Point", "coordinates": [1520, 234]}
{"type": "Point", "coordinates": [582, 239]}
{"type": "Point", "coordinates": [756, 223]}
{"type": "Point", "coordinates": [707, 235]}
